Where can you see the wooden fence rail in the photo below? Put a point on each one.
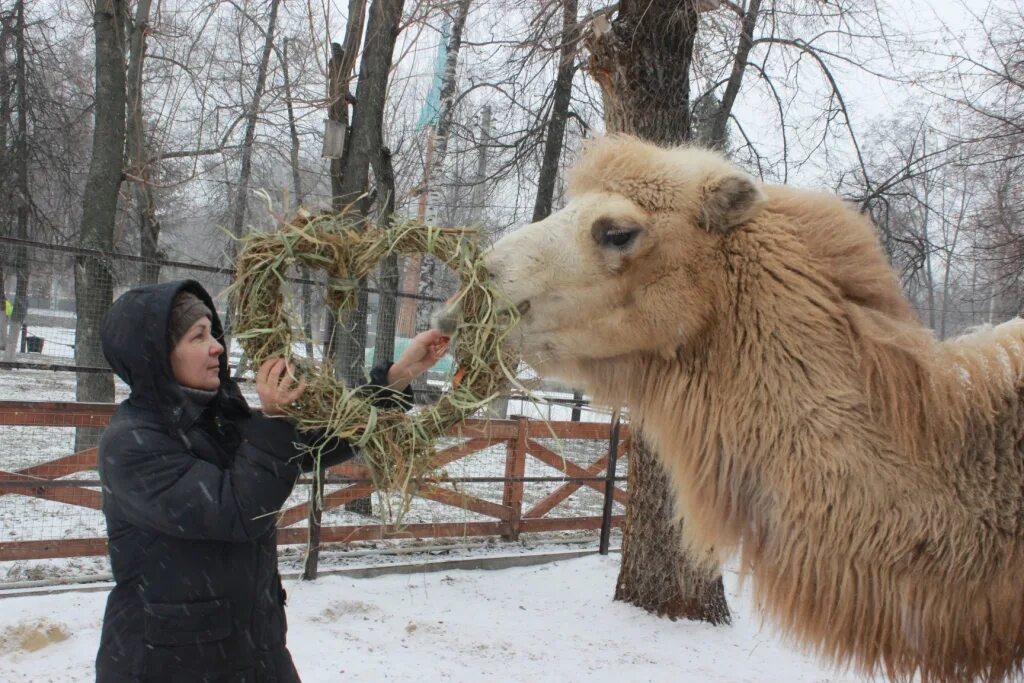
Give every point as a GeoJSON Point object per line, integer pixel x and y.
{"type": "Point", "coordinates": [507, 518]}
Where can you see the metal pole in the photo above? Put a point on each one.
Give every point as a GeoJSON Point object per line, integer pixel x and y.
{"type": "Point", "coordinates": [316, 497]}
{"type": "Point", "coordinates": [609, 486]}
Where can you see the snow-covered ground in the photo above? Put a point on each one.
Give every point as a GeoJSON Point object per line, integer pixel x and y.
{"type": "Point", "coordinates": [552, 622]}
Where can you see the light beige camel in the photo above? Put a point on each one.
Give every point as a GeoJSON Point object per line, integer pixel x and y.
{"type": "Point", "coordinates": [871, 477]}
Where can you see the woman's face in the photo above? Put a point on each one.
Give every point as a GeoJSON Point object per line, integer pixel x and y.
{"type": "Point", "coordinates": [195, 358]}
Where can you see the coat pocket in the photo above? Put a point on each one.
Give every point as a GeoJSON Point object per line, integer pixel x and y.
{"type": "Point", "coordinates": [187, 623]}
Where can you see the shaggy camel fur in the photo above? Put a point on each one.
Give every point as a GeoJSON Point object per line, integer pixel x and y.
{"type": "Point", "coordinates": [870, 476]}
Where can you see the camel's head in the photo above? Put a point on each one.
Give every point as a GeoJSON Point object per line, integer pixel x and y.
{"type": "Point", "coordinates": [633, 263]}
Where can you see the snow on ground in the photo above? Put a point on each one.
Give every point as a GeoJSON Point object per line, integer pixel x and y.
{"type": "Point", "coordinates": [553, 622]}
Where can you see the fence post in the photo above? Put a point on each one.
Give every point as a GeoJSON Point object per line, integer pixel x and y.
{"type": "Point", "coordinates": [515, 468]}
{"type": "Point", "coordinates": [316, 494]}
{"type": "Point", "coordinates": [609, 484]}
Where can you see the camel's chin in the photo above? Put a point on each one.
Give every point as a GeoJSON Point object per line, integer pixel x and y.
{"type": "Point", "coordinates": [550, 361]}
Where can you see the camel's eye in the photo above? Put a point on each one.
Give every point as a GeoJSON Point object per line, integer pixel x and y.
{"type": "Point", "coordinates": [615, 233]}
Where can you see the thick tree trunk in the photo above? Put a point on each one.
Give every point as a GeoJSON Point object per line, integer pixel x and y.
{"type": "Point", "coordinates": [94, 284]}
{"type": "Point", "coordinates": [21, 187]}
{"type": "Point", "coordinates": [655, 574]}
{"type": "Point", "coordinates": [337, 110]}
{"type": "Point", "coordinates": [554, 139]}
{"type": "Point", "coordinates": [339, 73]}
{"type": "Point", "coordinates": [642, 62]}
{"type": "Point", "coordinates": [363, 148]}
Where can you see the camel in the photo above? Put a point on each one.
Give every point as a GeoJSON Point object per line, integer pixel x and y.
{"type": "Point", "coordinates": [868, 477]}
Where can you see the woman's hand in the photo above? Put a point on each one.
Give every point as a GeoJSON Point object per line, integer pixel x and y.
{"type": "Point", "coordinates": [276, 385]}
{"type": "Point", "coordinates": [424, 350]}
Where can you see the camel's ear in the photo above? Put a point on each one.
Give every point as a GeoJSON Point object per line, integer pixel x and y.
{"type": "Point", "coordinates": [728, 201]}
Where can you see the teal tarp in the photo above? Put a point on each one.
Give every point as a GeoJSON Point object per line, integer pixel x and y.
{"type": "Point", "coordinates": [401, 343]}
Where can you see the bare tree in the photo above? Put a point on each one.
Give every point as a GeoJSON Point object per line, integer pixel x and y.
{"type": "Point", "coordinates": [297, 196]}
{"type": "Point", "coordinates": [94, 287]}
{"type": "Point", "coordinates": [19, 166]}
{"type": "Point", "coordinates": [139, 151]}
{"type": "Point", "coordinates": [364, 142]}
{"type": "Point", "coordinates": [252, 111]}
{"type": "Point", "coordinates": [554, 138]}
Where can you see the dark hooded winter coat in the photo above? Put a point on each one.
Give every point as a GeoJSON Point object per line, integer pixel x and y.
{"type": "Point", "coordinates": [189, 495]}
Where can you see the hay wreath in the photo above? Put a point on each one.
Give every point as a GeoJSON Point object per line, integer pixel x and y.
{"type": "Point", "coordinates": [398, 447]}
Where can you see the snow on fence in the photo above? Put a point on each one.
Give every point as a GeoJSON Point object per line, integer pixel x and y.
{"type": "Point", "coordinates": [494, 478]}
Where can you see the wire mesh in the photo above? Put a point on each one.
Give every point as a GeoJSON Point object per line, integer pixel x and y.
{"type": "Point", "coordinates": [50, 495]}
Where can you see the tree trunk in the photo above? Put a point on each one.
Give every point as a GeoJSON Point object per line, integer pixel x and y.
{"type": "Point", "coordinates": [677, 588]}
{"type": "Point", "coordinates": [138, 149]}
{"type": "Point", "coordinates": [554, 139]}
{"type": "Point", "coordinates": [363, 148]}
{"type": "Point", "coordinates": [3, 310]}
{"type": "Point", "coordinates": [720, 121]}
{"type": "Point", "coordinates": [339, 73]}
{"type": "Point", "coordinates": [446, 101]}
{"type": "Point", "coordinates": [642, 61]}
{"type": "Point", "coordinates": [5, 178]}
{"type": "Point", "coordinates": [342, 64]}
{"type": "Point", "coordinates": [22, 192]}
{"type": "Point", "coordinates": [251, 118]}
{"type": "Point", "coordinates": [387, 310]}
{"type": "Point", "coordinates": [297, 197]}
{"type": "Point", "coordinates": [428, 274]}
{"type": "Point", "coordinates": [94, 286]}
{"type": "Point", "coordinates": [245, 167]}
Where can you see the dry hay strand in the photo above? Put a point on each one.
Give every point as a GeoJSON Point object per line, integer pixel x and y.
{"type": "Point", "coordinates": [398, 447]}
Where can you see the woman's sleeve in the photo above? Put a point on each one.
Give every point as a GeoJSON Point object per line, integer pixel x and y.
{"type": "Point", "coordinates": [383, 397]}
{"type": "Point", "coordinates": [337, 450]}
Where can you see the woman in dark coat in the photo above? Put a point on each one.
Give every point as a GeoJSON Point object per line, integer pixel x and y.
{"type": "Point", "coordinates": [191, 481]}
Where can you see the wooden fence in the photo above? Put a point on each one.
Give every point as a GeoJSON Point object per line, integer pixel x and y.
{"type": "Point", "coordinates": [508, 518]}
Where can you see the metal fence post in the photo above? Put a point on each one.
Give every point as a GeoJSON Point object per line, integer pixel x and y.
{"type": "Point", "coordinates": [609, 486]}
{"type": "Point", "coordinates": [316, 493]}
